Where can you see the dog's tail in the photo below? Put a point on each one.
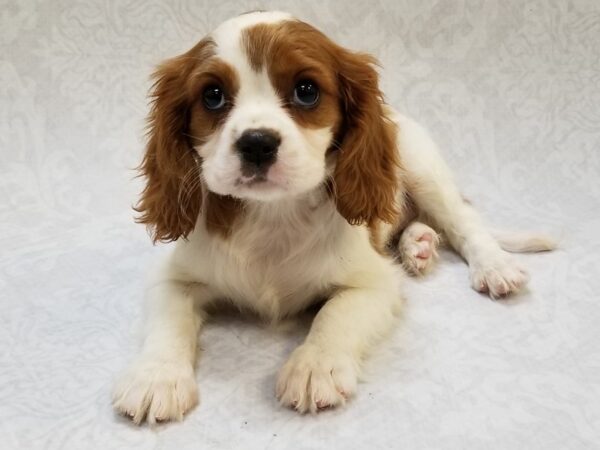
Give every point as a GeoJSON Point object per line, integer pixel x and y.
{"type": "Point", "coordinates": [524, 241]}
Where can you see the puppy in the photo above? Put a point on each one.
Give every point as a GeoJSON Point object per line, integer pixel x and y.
{"type": "Point", "coordinates": [285, 180]}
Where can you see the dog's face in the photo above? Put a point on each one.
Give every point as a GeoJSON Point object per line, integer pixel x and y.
{"type": "Point", "coordinates": [265, 108]}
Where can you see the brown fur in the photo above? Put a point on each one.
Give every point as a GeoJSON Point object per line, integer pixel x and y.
{"type": "Point", "coordinates": [367, 171]}
{"type": "Point", "coordinates": [292, 51]}
{"type": "Point", "coordinates": [172, 199]}
{"type": "Point", "coordinates": [221, 213]}
{"type": "Point", "coordinates": [366, 181]}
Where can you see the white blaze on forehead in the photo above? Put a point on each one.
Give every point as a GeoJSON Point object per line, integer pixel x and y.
{"type": "Point", "coordinates": [228, 35]}
{"type": "Point", "coordinates": [256, 90]}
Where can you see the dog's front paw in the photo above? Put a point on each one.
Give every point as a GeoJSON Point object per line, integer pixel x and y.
{"type": "Point", "coordinates": [314, 379]}
{"type": "Point", "coordinates": [157, 390]}
{"type": "Point", "coordinates": [499, 276]}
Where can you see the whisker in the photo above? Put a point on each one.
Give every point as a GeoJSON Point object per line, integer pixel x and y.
{"type": "Point", "coordinates": [333, 185]}
{"type": "Point", "coordinates": [335, 145]}
{"type": "Point", "coordinates": [187, 186]}
{"type": "Point", "coordinates": [192, 136]}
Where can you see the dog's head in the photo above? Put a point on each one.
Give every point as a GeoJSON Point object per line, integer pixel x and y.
{"type": "Point", "coordinates": [265, 108]}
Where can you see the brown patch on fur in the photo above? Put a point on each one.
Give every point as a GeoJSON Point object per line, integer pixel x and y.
{"type": "Point", "coordinates": [367, 171]}
{"type": "Point", "coordinates": [367, 180]}
{"type": "Point", "coordinates": [172, 199]}
{"type": "Point", "coordinates": [202, 121]}
{"type": "Point", "coordinates": [292, 51]}
{"type": "Point", "coordinates": [369, 185]}
{"type": "Point", "coordinates": [221, 213]}
{"type": "Point", "coordinates": [257, 41]}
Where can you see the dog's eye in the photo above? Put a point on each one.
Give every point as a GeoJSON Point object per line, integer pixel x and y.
{"type": "Point", "coordinates": [306, 94]}
{"type": "Point", "coordinates": [213, 97]}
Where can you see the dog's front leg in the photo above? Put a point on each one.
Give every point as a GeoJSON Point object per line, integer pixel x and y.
{"type": "Point", "coordinates": [160, 383]}
{"type": "Point", "coordinates": [323, 371]}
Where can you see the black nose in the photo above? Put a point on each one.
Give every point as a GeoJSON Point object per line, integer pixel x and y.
{"type": "Point", "coordinates": [258, 146]}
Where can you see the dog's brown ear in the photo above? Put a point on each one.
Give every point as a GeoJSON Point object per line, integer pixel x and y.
{"type": "Point", "coordinates": [171, 201]}
{"type": "Point", "coordinates": [366, 176]}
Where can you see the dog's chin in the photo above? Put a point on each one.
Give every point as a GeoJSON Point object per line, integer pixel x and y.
{"type": "Point", "coordinates": [261, 189]}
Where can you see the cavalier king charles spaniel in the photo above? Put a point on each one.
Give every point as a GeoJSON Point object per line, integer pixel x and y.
{"type": "Point", "coordinates": [286, 181]}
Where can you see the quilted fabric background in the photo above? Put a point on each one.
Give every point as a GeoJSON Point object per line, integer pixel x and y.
{"type": "Point", "coordinates": [511, 91]}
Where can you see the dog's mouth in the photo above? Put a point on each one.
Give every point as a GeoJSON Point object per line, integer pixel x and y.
{"type": "Point", "coordinates": [251, 180]}
{"type": "Point", "coordinates": [261, 186]}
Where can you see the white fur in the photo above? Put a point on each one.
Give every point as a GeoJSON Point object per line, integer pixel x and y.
{"type": "Point", "coordinates": [436, 195]}
{"type": "Point", "coordinates": [291, 251]}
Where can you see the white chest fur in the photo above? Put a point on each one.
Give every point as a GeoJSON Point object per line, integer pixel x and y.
{"type": "Point", "coordinates": [280, 259]}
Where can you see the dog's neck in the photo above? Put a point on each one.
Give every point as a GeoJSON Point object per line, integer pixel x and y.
{"type": "Point", "coordinates": [290, 210]}
{"type": "Point", "coordinates": [280, 229]}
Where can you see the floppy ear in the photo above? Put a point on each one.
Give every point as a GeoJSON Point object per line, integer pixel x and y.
{"type": "Point", "coordinates": [366, 174]}
{"type": "Point", "coordinates": [171, 201]}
